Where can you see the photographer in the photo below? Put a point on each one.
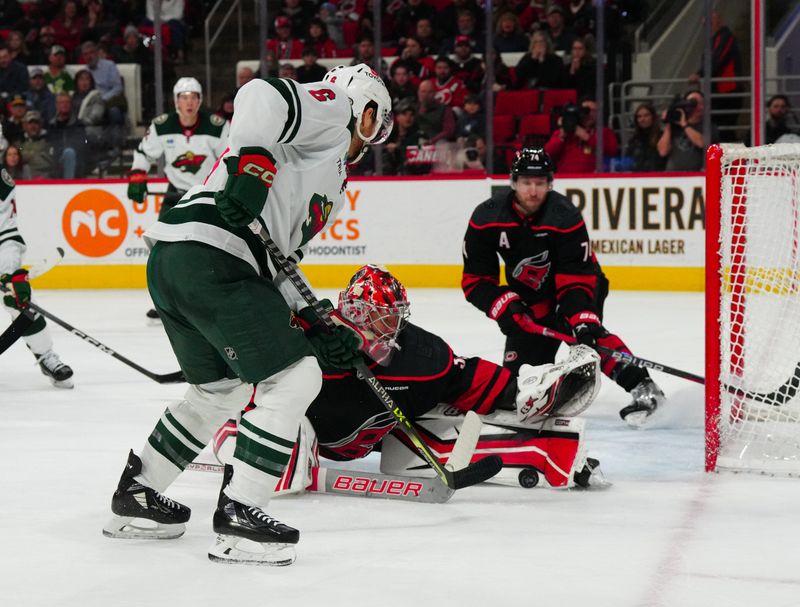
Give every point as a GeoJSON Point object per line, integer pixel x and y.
{"type": "Point", "coordinates": [683, 142]}
{"type": "Point", "coordinates": [572, 146]}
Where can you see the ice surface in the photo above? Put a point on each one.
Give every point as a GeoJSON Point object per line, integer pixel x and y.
{"type": "Point", "coordinates": [665, 534]}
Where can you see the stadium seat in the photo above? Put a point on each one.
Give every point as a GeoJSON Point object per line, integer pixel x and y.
{"type": "Point", "coordinates": [516, 103]}
{"type": "Point", "coordinates": [535, 129]}
{"type": "Point", "coordinates": [557, 98]}
{"type": "Point", "coordinates": [503, 128]}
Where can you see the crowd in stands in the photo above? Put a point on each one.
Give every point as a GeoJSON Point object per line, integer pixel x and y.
{"type": "Point", "coordinates": [58, 123]}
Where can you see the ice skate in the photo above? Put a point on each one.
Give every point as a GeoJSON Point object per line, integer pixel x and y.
{"type": "Point", "coordinates": [590, 476]}
{"type": "Point", "coordinates": [647, 397]}
{"type": "Point", "coordinates": [59, 374]}
{"type": "Point", "coordinates": [153, 318]}
{"type": "Point", "coordinates": [247, 535]}
{"type": "Point", "coordinates": [142, 512]}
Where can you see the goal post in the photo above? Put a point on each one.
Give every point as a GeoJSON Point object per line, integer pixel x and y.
{"type": "Point", "coordinates": [753, 308]}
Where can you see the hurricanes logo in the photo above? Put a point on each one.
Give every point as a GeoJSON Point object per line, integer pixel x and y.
{"type": "Point", "coordinates": [189, 162]}
{"type": "Point", "coordinates": [533, 271]}
{"type": "Point", "coordinates": [319, 209]}
{"type": "Point", "coordinates": [94, 223]}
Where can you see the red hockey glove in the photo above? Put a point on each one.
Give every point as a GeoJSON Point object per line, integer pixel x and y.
{"type": "Point", "coordinates": [137, 186]}
{"type": "Point", "coordinates": [17, 283]}
{"type": "Point", "coordinates": [512, 315]}
{"type": "Point", "coordinates": [587, 328]}
{"type": "Point", "coordinates": [250, 176]}
{"type": "Point", "coordinates": [339, 348]}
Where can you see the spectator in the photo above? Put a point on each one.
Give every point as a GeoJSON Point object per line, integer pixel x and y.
{"type": "Point", "coordinates": [539, 67]}
{"type": "Point", "coordinates": [318, 39]}
{"type": "Point", "coordinates": [683, 142]}
{"type": "Point", "coordinates": [449, 90]}
{"type": "Point", "coordinates": [11, 14]}
{"type": "Point", "coordinates": [56, 77]}
{"type": "Point", "coordinates": [581, 17]}
{"type": "Point", "coordinates": [107, 81]}
{"type": "Point", "coordinates": [41, 48]}
{"type": "Point", "coordinates": [334, 22]}
{"type": "Point", "coordinates": [726, 65]}
{"type": "Point", "coordinates": [298, 14]}
{"type": "Point", "coordinates": [13, 74]}
{"type": "Point", "coordinates": [283, 45]}
{"type": "Point", "coordinates": [424, 35]}
{"type": "Point", "coordinates": [68, 138]}
{"type": "Point", "coordinates": [243, 76]}
{"type": "Point", "coordinates": [472, 120]}
{"type": "Point", "coordinates": [287, 71]}
{"type": "Point", "coordinates": [560, 35]}
{"type": "Point", "coordinates": [68, 26]}
{"type": "Point", "coordinates": [15, 165]}
{"type": "Point", "coordinates": [172, 16]}
{"type": "Point", "coordinates": [508, 36]}
{"type": "Point", "coordinates": [572, 146]}
{"type": "Point", "coordinates": [641, 153]}
{"type": "Point", "coordinates": [472, 157]}
{"type": "Point", "coordinates": [225, 109]}
{"type": "Point", "coordinates": [99, 23]}
{"type": "Point", "coordinates": [467, 68]}
{"type": "Point", "coordinates": [409, 15]}
{"type": "Point", "coordinates": [504, 78]}
{"type": "Point", "coordinates": [533, 16]}
{"type": "Point", "coordinates": [17, 48]}
{"type": "Point", "coordinates": [778, 110]}
{"type": "Point", "coordinates": [466, 25]}
{"type": "Point", "coordinates": [581, 70]}
{"type": "Point", "coordinates": [310, 71]}
{"type": "Point", "coordinates": [400, 86]}
{"type": "Point", "coordinates": [89, 108]}
{"type": "Point", "coordinates": [36, 148]}
{"type": "Point", "coordinates": [405, 134]}
{"type": "Point", "coordinates": [435, 119]}
{"type": "Point", "coordinates": [39, 97]}
{"type": "Point", "coordinates": [419, 67]}
{"type": "Point", "coordinates": [12, 126]}
{"type": "Point", "coordinates": [365, 53]}
{"type": "Point", "coordinates": [389, 31]}
{"type": "Point", "coordinates": [448, 19]}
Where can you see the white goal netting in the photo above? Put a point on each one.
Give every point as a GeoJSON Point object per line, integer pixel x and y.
{"type": "Point", "coordinates": [759, 309]}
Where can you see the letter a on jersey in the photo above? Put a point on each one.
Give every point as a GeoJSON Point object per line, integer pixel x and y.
{"type": "Point", "coordinates": [504, 240]}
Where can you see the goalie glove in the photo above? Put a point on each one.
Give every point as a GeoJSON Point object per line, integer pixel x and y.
{"type": "Point", "coordinates": [512, 315]}
{"type": "Point", "coordinates": [17, 283]}
{"type": "Point", "coordinates": [137, 186]}
{"type": "Point", "coordinates": [564, 389]}
{"type": "Point", "coordinates": [250, 176]}
{"type": "Point", "coordinates": [339, 348]}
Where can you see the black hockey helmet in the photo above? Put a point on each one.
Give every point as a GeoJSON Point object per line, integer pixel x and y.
{"type": "Point", "coordinates": [532, 162]}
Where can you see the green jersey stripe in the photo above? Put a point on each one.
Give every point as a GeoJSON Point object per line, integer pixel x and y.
{"type": "Point", "coordinates": [8, 231]}
{"type": "Point", "coordinates": [296, 128]}
{"type": "Point", "coordinates": [186, 434]}
{"type": "Point", "coordinates": [266, 435]}
{"type": "Point", "coordinates": [14, 238]}
{"type": "Point", "coordinates": [283, 90]}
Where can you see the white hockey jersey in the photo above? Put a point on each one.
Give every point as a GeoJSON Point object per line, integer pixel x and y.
{"type": "Point", "coordinates": [12, 246]}
{"type": "Point", "coordinates": [189, 154]}
{"type": "Point", "coordinates": [307, 129]}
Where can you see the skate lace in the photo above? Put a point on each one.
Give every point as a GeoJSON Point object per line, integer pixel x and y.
{"type": "Point", "coordinates": [261, 516]}
{"type": "Point", "coordinates": [50, 360]}
{"type": "Point", "coordinates": [165, 500]}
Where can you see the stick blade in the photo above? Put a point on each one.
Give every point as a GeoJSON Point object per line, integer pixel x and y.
{"type": "Point", "coordinates": [477, 472]}
{"type": "Point", "coordinates": [170, 378]}
{"type": "Point", "coordinates": [464, 448]}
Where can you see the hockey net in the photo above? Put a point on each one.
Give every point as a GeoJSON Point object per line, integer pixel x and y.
{"type": "Point", "coordinates": [753, 309]}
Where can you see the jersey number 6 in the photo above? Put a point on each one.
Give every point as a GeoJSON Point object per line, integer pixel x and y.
{"type": "Point", "coordinates": [322, 94]}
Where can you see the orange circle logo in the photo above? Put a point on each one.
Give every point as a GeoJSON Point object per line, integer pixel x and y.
{"type": "Point", "coordinates": [95, 223]}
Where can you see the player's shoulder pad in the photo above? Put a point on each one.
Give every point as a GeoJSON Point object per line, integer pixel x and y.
{"type": "Point", "coordinates": [421, 353]}
{"type": "Point", "coordinates": [560, 213]}
{"type": "Point", "coordinates": [158, 120]}
{"type": "Point", "coordinates": [216, 120]}
{"type": "Point", "coordinates": [7, 179]}
{"type": "Point", "coordinates": [494, 210]}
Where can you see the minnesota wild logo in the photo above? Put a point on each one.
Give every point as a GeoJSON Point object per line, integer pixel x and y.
{"type": "Point", "coordinates": [319, 209]}
{"type": "Point", "coordinates": [189, 162]}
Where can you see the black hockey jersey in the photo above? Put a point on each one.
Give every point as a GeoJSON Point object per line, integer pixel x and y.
{"type": "Point", "coordinates": [548, 256]}
{"type": "Point", "coordinates": [349, 420]}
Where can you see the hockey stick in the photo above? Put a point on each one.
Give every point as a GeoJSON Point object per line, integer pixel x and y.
{"type": "Point", "coordinates": [23, 321]}
{"type": "Point", "coordinates": [167, 378]}
{"type": "Point", "coordinates": [475, 473]}
{"type": "Point", "coordinates": [780, 396]}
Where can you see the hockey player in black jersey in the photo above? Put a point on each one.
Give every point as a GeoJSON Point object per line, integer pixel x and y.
{"type": "Point", "coordinates": [528, 419]}
{"type": "Point", "coordinates": [553, 278]}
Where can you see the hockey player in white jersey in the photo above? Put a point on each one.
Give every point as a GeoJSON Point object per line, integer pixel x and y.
{"type": "Point", "coordinates": [190, 139]}
{"type": "Point", "coordinates": [14, 278]}
{"type": "Point", "coordinates": [229, 314]}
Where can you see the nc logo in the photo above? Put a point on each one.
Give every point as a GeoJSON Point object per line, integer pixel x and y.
{"type": "Point", "coordinates": [94, 223]}
{"type": "Point", "coordinates": [91, 221]}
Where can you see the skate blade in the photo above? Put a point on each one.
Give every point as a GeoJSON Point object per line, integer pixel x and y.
{"type": "Point", "coordinates": [154, 322]}
{"type": "Point", "coordinates": [132, 528]}
{"type": "Point", "coordinates": [233, 550]}
{"type": "Point", "coordinates": [64, 384]}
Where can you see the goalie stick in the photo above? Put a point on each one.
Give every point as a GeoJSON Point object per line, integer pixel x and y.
{"type": "Point", "coordinates": [358, 483]}
{"type": "Point", "coordinates": [780, 396]}
{"type": "Point", "coordinates": [476, 472]}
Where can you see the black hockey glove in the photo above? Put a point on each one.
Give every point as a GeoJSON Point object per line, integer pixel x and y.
{"type": "Point", "coordinates": [250, 177]}
{"type": "Point", "coordinates": [512, 315]}
{"type": "Point", "coordinates": [587, 328]}
{"type": "Point", "coordinates": [339, 348]}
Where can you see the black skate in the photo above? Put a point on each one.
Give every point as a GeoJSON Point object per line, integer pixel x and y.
{"type": "Point", "coordinates": [132, 500]}
{"type": "Point", "coordinates": [153, 317]}
{"type": "Point", "coordinates": [590, 476]}
{"type": "Point", "coordinates": [647, 397]}
{"type": "Point", "coordinates": [59, 374]}
{"type": "Point", "coordinates": [247, 535]}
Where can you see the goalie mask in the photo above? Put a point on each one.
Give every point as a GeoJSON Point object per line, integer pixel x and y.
{"type": "Point", "coordinates": [376, 303]}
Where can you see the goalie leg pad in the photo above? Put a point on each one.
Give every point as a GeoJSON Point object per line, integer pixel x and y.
{"type": "Point", "coordinates": [565, 389]}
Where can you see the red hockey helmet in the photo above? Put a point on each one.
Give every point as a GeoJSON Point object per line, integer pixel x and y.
{"type": "Point", "coordinates": [377, 304]}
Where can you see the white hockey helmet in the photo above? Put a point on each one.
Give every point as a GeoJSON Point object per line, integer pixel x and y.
{"type": "Point", "coordinates": [186, 85]}
{"type": "Point", "coordinates": [364, 85]}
